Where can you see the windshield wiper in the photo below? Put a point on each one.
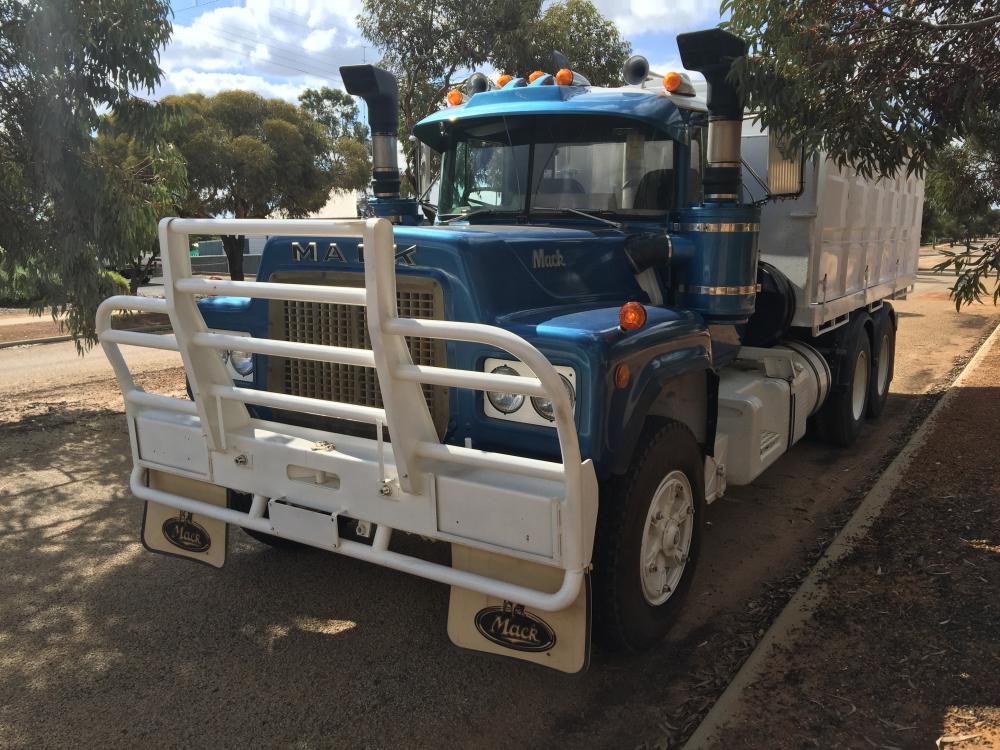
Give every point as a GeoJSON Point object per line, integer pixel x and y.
{"type": "Point", "coordinates": [467, 214]}
{"type": "Point", "coordinates": [578, 212]}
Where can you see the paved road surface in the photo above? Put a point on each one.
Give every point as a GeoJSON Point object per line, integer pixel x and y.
{"type": "Point", "coordinates": [103, 644]}
{"type": "Point", "coordinates": [44, 366]}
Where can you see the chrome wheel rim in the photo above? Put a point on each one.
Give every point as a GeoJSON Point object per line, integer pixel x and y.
{"type": "Point", "coordinates": [666, 538]}
{"type": "Point", "coordinates": [882, 378]}
{"type": "Point", "coordinates": [859, 392]}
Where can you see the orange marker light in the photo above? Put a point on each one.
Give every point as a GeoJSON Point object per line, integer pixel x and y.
{"type": "Point", "coordinates": [535, 76]}
{"type": "Point", "coordinates": [632, 316]}
{"type": "Point", "coordinates": [454, 98]}
{"type": "Point", "coordinates": [622, 376]}
{"type": "Point", "coordinates": [504, 79]}
{"type": "Point", "coordinates": [564, 77]}
{"type": "Point", "coordinates": [672, 81]}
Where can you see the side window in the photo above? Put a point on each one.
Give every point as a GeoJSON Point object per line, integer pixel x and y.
{"type": "Point", "coordinates": [656, 191]}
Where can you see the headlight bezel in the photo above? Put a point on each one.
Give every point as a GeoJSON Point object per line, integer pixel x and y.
{"type": "Point", "coordinates": [526, 414]}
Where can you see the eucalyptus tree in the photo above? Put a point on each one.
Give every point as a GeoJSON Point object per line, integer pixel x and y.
{"type": "Point", "coordinates": [63, 65]}
{"type": "Point", "coordinates": [251, 157]}
{"type": "Point", "coordinates": [883, 86]}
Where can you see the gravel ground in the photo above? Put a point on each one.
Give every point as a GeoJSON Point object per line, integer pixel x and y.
{"type": "Point", "coordinates": [905, 650]}
{"type": "Point", "coordinates": [105, 644]}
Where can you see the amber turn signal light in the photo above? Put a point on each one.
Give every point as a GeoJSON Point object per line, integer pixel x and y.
{"type": "Point", "coordinates": [632, 316]}
{"type": "Point", "coordinates": [622, 376]}
{"type": "Point", "coordinates": [672, 81]}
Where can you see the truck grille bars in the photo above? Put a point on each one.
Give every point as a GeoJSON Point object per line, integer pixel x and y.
{"type": "Point", "coordinates": [525, 508]}
{"type": "Point", "coordinates": [347, 326]}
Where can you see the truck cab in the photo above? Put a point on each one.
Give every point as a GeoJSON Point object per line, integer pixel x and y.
{"type": "Point", "coordinates": [555, 377]}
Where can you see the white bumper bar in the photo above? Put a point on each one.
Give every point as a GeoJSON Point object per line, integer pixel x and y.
{"type": "Point", "coordinates": [525, 508]}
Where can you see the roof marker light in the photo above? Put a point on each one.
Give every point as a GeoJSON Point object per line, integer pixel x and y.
{"type": "Point", "coordinates": [632, 316]}
{"type": "Point", "coordinates": [504, 79]}
{"type": "Point", "coordinates": [535, 76]}
{"type": "Point", "coordinates": [564, 77]}
{"type": "Point", "coordinates": [455, 98]}
{"type": "Point", "coordinates": [678, 83]}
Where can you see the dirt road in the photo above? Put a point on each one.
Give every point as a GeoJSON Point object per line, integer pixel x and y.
{"type": "Point", "coordinates": [106, 644]}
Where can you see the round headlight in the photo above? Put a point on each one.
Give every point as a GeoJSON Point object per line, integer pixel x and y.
{"type": "Point", "coordinates": [505, 403]}
{"type": "Point", "coordinates": [242, 362]}
{"type": "Point", "coordinates": [544, 407]}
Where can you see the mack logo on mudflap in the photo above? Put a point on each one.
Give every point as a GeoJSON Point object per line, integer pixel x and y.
{"type": "Point", "coordinates": [514, 628]}
{"type": "Point", "coordinates": [404, 257]}
{"type": "Point", "coordinates": [542, 259]}
{"type": "Point", "coordinates": [185, 533]}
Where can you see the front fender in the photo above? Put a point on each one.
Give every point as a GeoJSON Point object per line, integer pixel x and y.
{"type": "Point", "coordinates": [653, 361]}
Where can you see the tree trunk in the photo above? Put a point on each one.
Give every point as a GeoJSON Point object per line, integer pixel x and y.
{"type": "Point", "coordinates": [233, 245]}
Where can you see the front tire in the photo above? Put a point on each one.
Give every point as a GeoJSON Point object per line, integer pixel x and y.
{"type": "Point", "coordinates": [648, 538]}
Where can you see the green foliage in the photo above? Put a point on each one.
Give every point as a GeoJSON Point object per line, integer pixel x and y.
{"type": "Point", "coordinates": [63, 63]}
{"type": "Point", "coordinates": [431, 44]}
{"type": "Point", "coordinates": [591, 43]}
{"type": "Point", "coordinates": [250, 157]}
{"type": "Point", "coordinates": [963, 185]}
{"type": "Point", "coordinates": [336, 111]}
{"type": "Point", "coordinates": [878, 85]}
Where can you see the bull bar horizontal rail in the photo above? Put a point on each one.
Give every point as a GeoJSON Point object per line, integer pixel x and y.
{"type": "Point", "coordinates": [220, 407]}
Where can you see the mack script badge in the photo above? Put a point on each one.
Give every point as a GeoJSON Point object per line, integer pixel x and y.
{"type": "Point", "coordinates": [514, 628]}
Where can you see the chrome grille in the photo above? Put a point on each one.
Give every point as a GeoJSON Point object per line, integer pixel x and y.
{"type": "Point", "coordinates": [347, 325]}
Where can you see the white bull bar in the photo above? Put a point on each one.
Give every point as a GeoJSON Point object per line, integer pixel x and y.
{"type": "Point", "coordinates": [526, 508]}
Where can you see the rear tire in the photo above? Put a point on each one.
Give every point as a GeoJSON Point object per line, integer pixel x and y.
{"type": "Point", "coordinates": [649, 532]}
{"type": "Point", "coordinates": [843, 414]}
{"type": "Point", "coordinates": [883, 360]}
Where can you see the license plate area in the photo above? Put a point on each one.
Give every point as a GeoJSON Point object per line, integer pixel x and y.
{"type": "Point", "coordinates": [305, 525]}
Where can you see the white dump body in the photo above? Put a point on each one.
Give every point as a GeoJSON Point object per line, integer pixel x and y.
{"type": "Point", "coordinates": [845, 242]}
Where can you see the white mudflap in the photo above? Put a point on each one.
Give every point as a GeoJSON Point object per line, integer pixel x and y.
{"type": "Point", "coordinates": [176, 532]}
{"type": "Point", "coordinates": [559, 640]}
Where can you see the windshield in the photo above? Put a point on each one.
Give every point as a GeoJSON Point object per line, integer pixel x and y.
{"type": "Point", "coordinates": [598, 164]}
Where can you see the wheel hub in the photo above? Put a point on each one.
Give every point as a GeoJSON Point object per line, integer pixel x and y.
{"type": "Point", "coordinates": [667, 535]}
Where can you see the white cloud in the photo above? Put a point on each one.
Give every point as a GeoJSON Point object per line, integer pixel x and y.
{"type": "Point", "coordinates": [274, 47]}
{"type": "Point", "coordinates": [637, 17]}
{"type": "Point", "coordinates": [209, 83]}
{"type": "Point", "coordinates": [279, 47]}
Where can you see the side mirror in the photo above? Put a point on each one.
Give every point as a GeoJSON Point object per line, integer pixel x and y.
{"type": "Point", "coordinates": [784, 168]}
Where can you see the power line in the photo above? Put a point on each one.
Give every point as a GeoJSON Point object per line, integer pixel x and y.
{"type": "Point", "coordinates": [289, 56]}
{"type": "Point", "coordinates": [247, 49]}
{"type": "Point", "coordinates": [199, 6]}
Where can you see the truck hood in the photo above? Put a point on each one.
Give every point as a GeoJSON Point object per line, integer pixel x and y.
{"type": "Point", "coordinates": [486, 271]}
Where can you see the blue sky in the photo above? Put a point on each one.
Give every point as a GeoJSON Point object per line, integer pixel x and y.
{"type": "Point", "coordinates": [279, 47]}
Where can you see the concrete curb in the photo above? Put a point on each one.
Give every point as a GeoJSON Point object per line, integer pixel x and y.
{"type": "Point", "coordinates": [813, 590]}
{"type": "Point", "coordinates": [57, 339]}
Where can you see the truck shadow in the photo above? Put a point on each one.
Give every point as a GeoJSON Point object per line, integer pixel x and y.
{"type": "Point", "coordinates": [106, 642]}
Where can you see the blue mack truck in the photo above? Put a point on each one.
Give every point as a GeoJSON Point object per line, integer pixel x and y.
{"type": "Point", "coordinates": [602, 328]}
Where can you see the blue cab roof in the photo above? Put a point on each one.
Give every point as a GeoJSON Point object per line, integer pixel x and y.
{"type": "Point", "coordinates": [535, 99]}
